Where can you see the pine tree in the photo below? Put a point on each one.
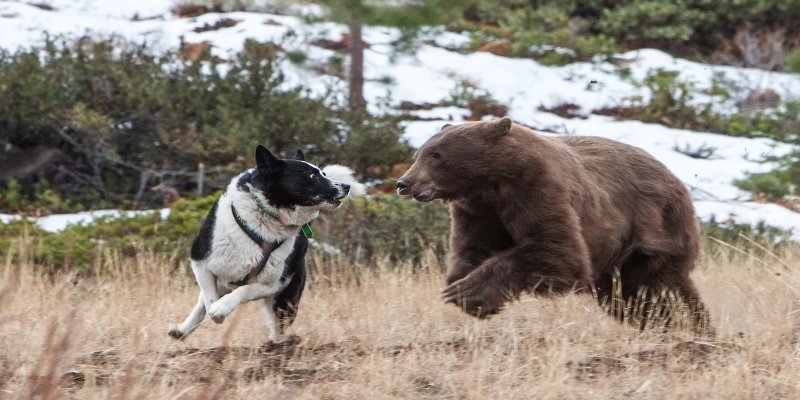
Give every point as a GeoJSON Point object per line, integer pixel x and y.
{"type": "Point", "coordinates": [408, 15]}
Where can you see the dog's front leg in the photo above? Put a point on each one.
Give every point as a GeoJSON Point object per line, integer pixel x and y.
{"type": "Point", "coordinates": [207, 283]}
{"type": "Point", "coordinates": [225, 305]}
{"type": "Point", "coordinates": [190, 323]}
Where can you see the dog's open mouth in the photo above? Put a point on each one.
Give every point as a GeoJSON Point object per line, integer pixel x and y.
{"type": "Point", "coordinates": [335, 201]}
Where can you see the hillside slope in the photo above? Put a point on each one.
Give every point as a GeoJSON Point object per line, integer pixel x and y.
{"type": "Point", "coordinates": [433, 75]}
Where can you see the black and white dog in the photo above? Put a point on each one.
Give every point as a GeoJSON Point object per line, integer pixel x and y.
{"type": "Point", "coordinates": [253, 242]}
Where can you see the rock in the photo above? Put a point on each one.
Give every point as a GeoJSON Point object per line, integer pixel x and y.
{"type": "Point", "coordinates": [73, 380]}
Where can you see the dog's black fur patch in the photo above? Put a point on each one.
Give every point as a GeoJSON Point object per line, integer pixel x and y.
{"type": "Point", "coordinates": [201, 247]}
{"type": "Point", "coordinates": [287, 302]}
{"type": "Point", "coordinates": [246, 178]}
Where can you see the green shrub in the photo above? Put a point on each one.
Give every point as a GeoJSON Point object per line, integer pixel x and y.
{"type": "Point", "coordinates": [386, 225]}
{"type": "Point", "coordinates": [82, 247]}
{"type": "Point", "coordinates": [11, 196]}
{"type": "Point", "coordinates": [16, 238]}
{"type": "Point", "coordinates": [695, 28]}
{"type": "Point", "coordinates": [793, 61]}
{"type": "Point", "coordinates": [646, 21]}
{"type": "Point", "coordinates": [297, 57]}
{"type": "Point", "coordinates": [377, 226]}
{"type": "Point", "coordinates": [126, 118]}
{"type": "Point", "coordinates": [363, 229]}
{"type": "Point", "coordinates": [671, 105]}
{"type": "Point", "coordinates": [773, 185]}
{"type": "Point", "coordinates": [743, 236]}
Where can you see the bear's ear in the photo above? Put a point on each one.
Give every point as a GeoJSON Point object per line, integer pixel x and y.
{"type": "Point", "coordinates": [266, 162]}
{"type": "Point", "coordinates": [501, 126]}
{"type": "Point", "coordinates": [445, 126]}
{"type": "Point", "coordinates": [298, 155]}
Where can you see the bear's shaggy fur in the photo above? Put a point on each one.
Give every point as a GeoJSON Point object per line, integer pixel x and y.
{"type": "Point", "coordinates": [551, 215]}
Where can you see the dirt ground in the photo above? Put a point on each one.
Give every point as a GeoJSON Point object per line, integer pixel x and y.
{"type": "Point", "coordinates": [380, 331]}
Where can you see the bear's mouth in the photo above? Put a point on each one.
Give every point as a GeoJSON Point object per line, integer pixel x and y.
{"type": "Point", "coordinates": [425, 195]}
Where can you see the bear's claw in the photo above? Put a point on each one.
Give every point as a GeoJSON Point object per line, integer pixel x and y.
{"type": "Point", "coordinates": [476, 296]}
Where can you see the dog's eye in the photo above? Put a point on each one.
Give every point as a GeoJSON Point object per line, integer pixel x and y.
{"type": "Point", "coordinates": [437, 155]}
{"type": "Point", "coordinates": [313, 176]}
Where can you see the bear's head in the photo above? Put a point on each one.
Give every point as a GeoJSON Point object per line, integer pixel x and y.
{"type": "Point", "coordinates": [456, 161]}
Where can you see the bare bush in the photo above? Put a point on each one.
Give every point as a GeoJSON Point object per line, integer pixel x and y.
{"type": "Point", "coordinates": [749, 47]}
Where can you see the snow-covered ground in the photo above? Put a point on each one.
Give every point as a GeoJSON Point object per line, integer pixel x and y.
{"type": "Point", "coordinates": [57, 222]}
{"type": "Point", "coordinates": [431, 74]}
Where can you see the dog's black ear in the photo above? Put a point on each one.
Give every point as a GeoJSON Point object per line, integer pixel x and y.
{"type": "Point", "coordinates": [266, 162]}
{"type": "Point", "coordinates": [298, 155]}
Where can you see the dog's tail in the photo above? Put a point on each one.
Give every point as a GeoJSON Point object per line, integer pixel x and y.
{"type": "Point", "coordinates": [345, 175]}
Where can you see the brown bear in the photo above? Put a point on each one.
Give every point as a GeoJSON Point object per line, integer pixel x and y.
{"type": "Point", "coordinates": [551, 215]}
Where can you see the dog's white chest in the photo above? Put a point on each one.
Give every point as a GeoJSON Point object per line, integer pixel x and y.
{"type": "Point", "coordinates": [235, 255]}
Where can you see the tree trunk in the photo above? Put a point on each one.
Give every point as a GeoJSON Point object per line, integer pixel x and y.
{"type": "Point", "coordinates": [144, 177]}
{"type": "Point", "coordinates": [356, 94]}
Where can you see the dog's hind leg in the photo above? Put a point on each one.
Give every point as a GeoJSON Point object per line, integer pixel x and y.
{"type": "Point", "coordinates": [191, 322]}
{"type": "Point", "coordinates": [272, 321]}
{"type": "Point", "coordinates": [208, 284]}
{"type": "Point", "coordinates": [226, 304]}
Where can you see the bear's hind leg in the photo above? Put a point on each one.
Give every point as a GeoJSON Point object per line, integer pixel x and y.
{"type": "Point", "coordinates": [653, 291]}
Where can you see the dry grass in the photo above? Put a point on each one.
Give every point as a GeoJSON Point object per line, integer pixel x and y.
{"type": "Point", "coordinates": [380, 333]}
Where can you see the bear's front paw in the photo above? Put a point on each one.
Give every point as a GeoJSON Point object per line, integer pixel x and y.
{"type": "Point", "coordinates": [218, 311]}
{"type": "Point", "coordinates": [477, 294]}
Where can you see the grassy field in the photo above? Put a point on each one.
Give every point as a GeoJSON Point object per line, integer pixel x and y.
{"type": "Point", "coordinates": [380, 331]}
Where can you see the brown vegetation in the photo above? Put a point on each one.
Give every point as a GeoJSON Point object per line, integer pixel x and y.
{"type": "Point", "coordinates": [220, 24]}
{"type": "Point", "coordinates": [499, 47]}
{"type": "Point", "coordinates": [380, 331]}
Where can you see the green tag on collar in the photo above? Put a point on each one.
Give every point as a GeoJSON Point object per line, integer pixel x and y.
{"type": "Point", "coordinates": [306, 229]}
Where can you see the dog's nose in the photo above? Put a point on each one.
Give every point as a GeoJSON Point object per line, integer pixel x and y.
{"type": "Point", "coordinates": [401, 185]}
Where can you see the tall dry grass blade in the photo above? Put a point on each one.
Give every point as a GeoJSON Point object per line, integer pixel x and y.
{"type": "Point", "coordinates": [45, 377]}
{"type": "Point", "coordinates": [766, 251]}
{"type": "Point", "coordinates": [738, 250]}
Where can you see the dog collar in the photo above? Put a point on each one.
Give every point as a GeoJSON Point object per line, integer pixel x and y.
{"type": "Point", "coordinates": [251, 233]}
{"type": "Point", "coordinates": [266, 250]}
{"type": "Point", "coordinates": [263, 209]}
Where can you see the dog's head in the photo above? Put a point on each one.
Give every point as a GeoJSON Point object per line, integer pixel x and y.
{"type": "Point", "coordinates": [289, 183]}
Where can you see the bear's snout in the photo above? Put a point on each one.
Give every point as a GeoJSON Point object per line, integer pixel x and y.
{"type": "Point", "coordinates": [402, 187]}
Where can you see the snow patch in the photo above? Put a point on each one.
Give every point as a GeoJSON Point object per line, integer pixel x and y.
{"type": "Point", "coordinates": [434, 72]}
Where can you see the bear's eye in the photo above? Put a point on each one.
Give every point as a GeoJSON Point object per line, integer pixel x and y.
{"type": "Point", "coordinates": [437, 155]}
{"type": "Point", "coordinates": [313, 176]}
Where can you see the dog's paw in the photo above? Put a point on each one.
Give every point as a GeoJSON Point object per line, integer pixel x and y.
{"type": "Point", "coordinates": [282, 343]}
{"type": "Point", "coordinates": [219, 311]}
{"type": "Point", "coordinates": [277, 338]}
{"type": "Point", "coordinates": [175, 332]}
